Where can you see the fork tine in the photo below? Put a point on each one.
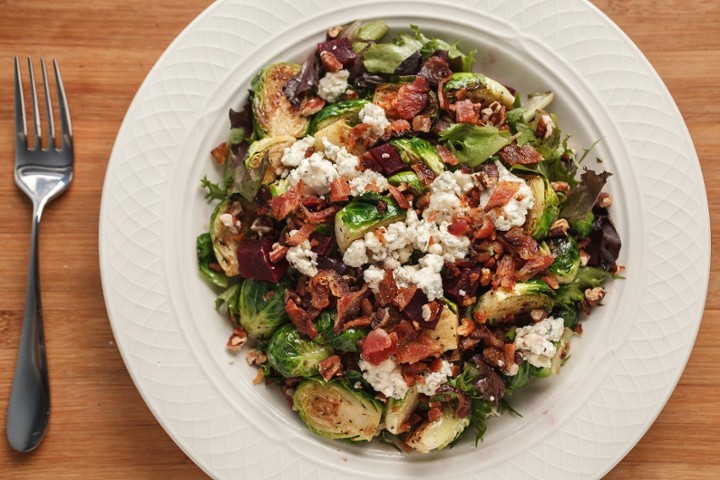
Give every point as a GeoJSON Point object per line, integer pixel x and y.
{"type": "Point", "coordinates": [48, 107]}
{"type": "Point", "coordinates": [65, 122]}
{"type": "Point", "coordinates": [20, 122]}
{"type": "Point", "coordinates": [37, 130]}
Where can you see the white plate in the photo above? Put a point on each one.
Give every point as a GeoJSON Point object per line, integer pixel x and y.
{"type": "Point", "coordinates": [576, 425]}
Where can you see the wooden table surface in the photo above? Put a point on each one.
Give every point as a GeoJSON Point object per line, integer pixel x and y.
{"type": "Point", "coordinates": [100, 427]}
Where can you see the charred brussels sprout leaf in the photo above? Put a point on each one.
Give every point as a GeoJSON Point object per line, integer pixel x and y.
{"type": "Point", "coordinates": [439, 433]}
{"type": "Point", "coordinates": [472, 144]}
{"type": "Point", "coordinates": [545, 207]}
{"type": "Point", "coordinates": [398, 411]}
{"type": "Point", "coordinates": [261, 308]}
{"type": "Point", "coordinates": [333, 410]}
{"type": "Point", "coordinates": [567, 259]}
{"type": "Point", "coordinates": [363, 215]}
{"type": "Point", "coordinates": [414, 149]}
{"type": "Point", "coordinates": [478, 88]}
{"type": "Point", "coordinates": [348, 109]}
{"type": "Point", "coordinates": [273, 114]}
{"type": "Point", "coordinates": [206, 257]}
{"type": "Point", "coordinates": [346, 340]}
{"type": "Point", "coordinates": [223, 234]}
{"type": "Point", "coordinates": [502, 304]}
{"type": "Point", "coordinates": [265, 155]}
{"type": "Point", "coordinates": [292, 355]}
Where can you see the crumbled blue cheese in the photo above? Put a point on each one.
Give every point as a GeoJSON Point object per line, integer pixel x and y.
{"type": "Point", "coordinates": [373, 275]}
{"type": "Point", "coordinates": [536, 343]}
{"type": "Point", "coordinates": [445, 193]}
{"type": "Point", "coordinates": [316, 173]}
{"type": "Point", "coordinates": [295, 153]}
{"type": "Point", "coordinates": [425, 275]}
{"type": "Point", "coordinates": [333, 85]}
{"type": "Point", "coordinates": [514, 212]}
{"type": "Point", "coordinates": [385, 378]}
{"type": "Point", "coordinates": [356, 254]}
{"type": "Point", "coordinates": [346, 164]}
{"type": "Point", "coordinates": [374, 116]}
{"type": "Point", "coordinates": [430, 382]}
{"type": "Point", "coordinates": [359, 184]}
{"type": "Point", "coordinates": [303, 258]}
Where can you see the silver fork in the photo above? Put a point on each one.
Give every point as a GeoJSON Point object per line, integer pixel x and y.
{"type": "Point", "coordinates": [43, 174]}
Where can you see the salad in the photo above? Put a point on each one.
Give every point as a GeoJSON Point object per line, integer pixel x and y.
{"type": "Point", "coordinates": [402, 243]}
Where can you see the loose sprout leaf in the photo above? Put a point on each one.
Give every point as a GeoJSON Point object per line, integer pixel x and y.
{"type": "Point", "coordinates": [581, 199]}
{"type": "Point", "coordinates": [206, 256]}
{"type": "Point", "coordinates": [472, 144]}
{"type": "Point", "coordinates": [228, 299]}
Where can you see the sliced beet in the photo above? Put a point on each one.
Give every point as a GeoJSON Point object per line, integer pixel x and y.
{"type": "Point", "coordinates": [462, 286]}
{"type": "Point", "coordinates": [321, 243]}
{"type": "Point", "coordinates": [414, 310]}
{"type": "Point", "coordinates": [387, 158]}
{"type": "Point", "coordinates": [341, 48]}
{"type": "Point", "coordinates": [254, 261]}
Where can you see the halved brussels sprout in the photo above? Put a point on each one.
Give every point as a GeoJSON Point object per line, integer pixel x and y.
{"type": "Point", "coordinates": [478, 88]}
{"type": "Point", "coordinates": [439, 433]}
{"type": "Point", "coordinates": [332, 410]}
{"type": "Point", "coordinates": [472, 144]}
{"type": "Point", "coordinates": [293, 355]}
{"type": "Point", "coordinates": [362, 215]}
{"type": "Point", "coordinates": [545, 208]}
{"type": "Point", "coordinates": [333, 112]}
{"type": "Point", "coordinates": [273, 114]}
{"type": "Point", "coordinates": [346, 340]}
{"type": "Point", "coordinates": [536, 102]}
{"type": "Point", "coordinates": [562, 348]}
{"type": "Point", "coordinates": [338, 133]}
{"type": "Point", "coordinates": [410, 178]}
{"type": "Point", "coordinates": [416, 149]}
{"type": "Point", "coordinates": [397, 411]}
{"type": "Point", "coordinates": [224, 233]}
{"type": "Point", "coordinates": [444, 335]}
{"type": "Point", "coordinates": [567, 259]}
{"type": "Point", "coordinates": [261, 308]}
{"type": "Point", "coordinates": [501, 304]}
{"type": "Point", "coordinates": [206, 256]}
{"type": "Point", "coordinates": [266, 154]}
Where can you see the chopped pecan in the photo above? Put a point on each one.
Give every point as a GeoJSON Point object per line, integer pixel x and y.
{"type": "Point", "coordinates": [330, 367]}
{"type": "Point", "coordinates": [594, 295]}
{"type": "Point", "coordinates": [330, 61]}
{"type": "Point", "coordinates": [237, 340]}
{"type": "Point", "coordinates": [604, 200]}
{"type": "Point", "coordinates": [255, 357]}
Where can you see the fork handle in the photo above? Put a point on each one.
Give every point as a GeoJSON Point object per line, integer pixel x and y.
{"type": "Point", "coordinates": [29, 406]}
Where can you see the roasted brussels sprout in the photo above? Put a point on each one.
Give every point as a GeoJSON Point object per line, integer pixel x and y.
{"type": "Point", "coordinates": [363, 215]}
{"type": "Point", "coordinates": [415, 149]}
{"type": "Point", "coordinates": [292, 355]}
{"type": "Point", "coordinates": [273, 114]}
{"type": "Point", "coordinates": [536, 102]}
{"type": "Point", "coordinates": [472, 144]}
{"type": "Point", "coordinates": [266, 155]}
{"type": "Point", "coordinates": [444, 335]}
{"type": "Point", "coordinates": [397, 412]}
{"type": "Point", "coordinates": [478, 88]}
{"type": "Point", "coordinates": [562, 347]}
{"type": "Point", "coordinates": [567, 259]}
{"type": "Point", "coordinates": [439, 433]}
{"type": "Point", "coordinates": [223, 233]}
{"type": "Point", "coordinates": [338, 133]}
{"type": "Point", "coordinates": [261, 308]}
{"type": "Point", "coordinates": [346, 340]}
{"type": "Point", "coordinates": [333, 112]}
{"type": "Point", "coordinates": [410, 178]}
{"type": "Point", "coordinates": [545, 207]}
{"type": "Point", "coordinates": [333, 410]}
{"type": "Point", "coordinates": [501, 304]}
{"type": "Point", "coordinates": [206, 257]}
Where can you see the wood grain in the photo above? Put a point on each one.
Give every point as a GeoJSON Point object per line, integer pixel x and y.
{"type": "Point", "coordinates": [100, 426]}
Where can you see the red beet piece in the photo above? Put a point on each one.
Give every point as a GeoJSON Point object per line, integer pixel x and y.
{"type": "Point", "coordinates": [463, 285]}
{"type": "Point", "coordinates": [254, 261]}
{"type": "Point", "coordinates": [414, 311]}
{"type": "Point", "coordinates": [324, 242]}
{"type": "Point", "coordinates": [341, 48]}
{"type": "Point", "coordinates": [388, 158]}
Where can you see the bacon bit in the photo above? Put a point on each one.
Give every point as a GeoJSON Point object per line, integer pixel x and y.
{"type": "Point", "coordinates": [424, 173]}
{"type": "Point", "coordinates": [485, 277]}
{"type": "Point", "coordinates": [505, 274]}
{"type": "Point", "coordinates": [330, 367]}
{"type": "Point", "coordinates": [415, 351]}
{"type": "Point", "coordinates": [435, 365]}
{"type": "Point", "coordinates": [237, 340]}
{"type": "Point", "coordinates": [525, 155]}
{"type": "Point", "coordinates": [378, 346]}
{"type": "Point", "coordinates": [312, 106]}
{"type": "Point", "coordinates": [283, 205]}
{"type": "Point", "coordinates": [300, 235]}
{"type": "Point", "coordinates": [578, 329]}
{"type": "Point", "coordinates": [442, 98]}
{"type": "Point", "coordinates": [300, 318]}
{"type": "Point", "coordinates": [363, 321]}
{"type": "Point", "coordinates": [403, 297]}
{"type": "Point", "coordinates": [330, 61]}
{"type": "Point", "coordinates": [397, 127]}
{"type": "Point", "coordinates": [412, 98]}
{"type": "Point", "coordinates": [458, 227]}
{"type": "Point", "coordinates": [446, 155]}
{"type": "Point", "coordinates": [421, 123]}
{"type": "Point", "coordinates": [348, 305]}
{"type": "Point", "coordinates": [494, 356]}
{"type": "Point", "coordinates": [534, 266]}
{"type": "Point", "coordinates": [323, 216]}
{"type": "Point", "coordinates": [387, 290]}
{"type": "Point", "coordinates": [259, 377]}
{"type": "Point", "coordinates": [487, 230]}
{"type": "Point", "coordinates": [401, 200]}
{"type": "Point", "coordinates": [434, 413]}
{"type": "Point", "coordinates": [339, 190]}
{"type": "Point", "coordinates": [503, 193]}
{"type": "Point", "coordinates": [465, 112]}
{"type": "Point", "coordinates": [509, 355]}
{"type": "Point", "coordinates": [220, 153]}
{"type": "Point", "coordinates": [522, 245]}
{"type": "Point", "coordinates": [479, 317]}
{"type": "Point", "coordinates": [551, 280]}
{"type": "Point", "coordinates": [466, 327]}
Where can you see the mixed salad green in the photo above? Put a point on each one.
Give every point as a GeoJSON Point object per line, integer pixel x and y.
{"type": "Point", "coordinates": [404, 242]}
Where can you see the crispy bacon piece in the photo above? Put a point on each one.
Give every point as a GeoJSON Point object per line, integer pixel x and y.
{"type": "Point", "coordinates": [387, 290]}
{"type": "Point", "coordinates": [525, 155]}
{"type": "Point", "coordinates": [326, 215]}
{"type": "Point", "coordinates": [505, 275]}
{"type": "Point", "coordinates": [363, 321]}
{"type": "Point", "coordinates": [300, 318]}
{"type": "Point", "coordinates": [503, 193]}
{"type": "Point", "coordinates": [459, 227]}
{"type": "Point", "coordinates": [403, 297]}
{"type": "Point", "coordinates": [534, 266]}
{"type": "Point", "coordinates": [421, 123]}
{"type": "Point", "coordinates": [339, 190]}
{"type": "Point", "coordinates": [401, 200]}
{"type": "Point", "coordinates": [324, 284]}
{"type": "Point", "coordinates": [434, 413]}
{"type": "Point", "coordinates": [522, 245]}
{"type": "Point", "coordinates": [465, 112]}
{"type": "Point", "coordinates": [551, 280]}
{"type": "Point", "coordinates": [378, 346]}
{"type": "Point", "coordinates": [415, 351]}
{"type": "Point", "coordinates": [283, 205]}
{"type": "Point", "coordinates": [397, 127]}
{"type": "Point", "coordinates": [446, 155]}
{"type": "Point", "coordinates": [412, 98]}
{"type": "Point", "coordinates": [348, 305]}
{"type": "Point", "coordinates": [424, 173]}
{"type": "Point", "coordinates": [300, 235]}
{"type": "Point", "coordinates": [220, 153]}
{"type": "Point", "coordinates": [330, 367]}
